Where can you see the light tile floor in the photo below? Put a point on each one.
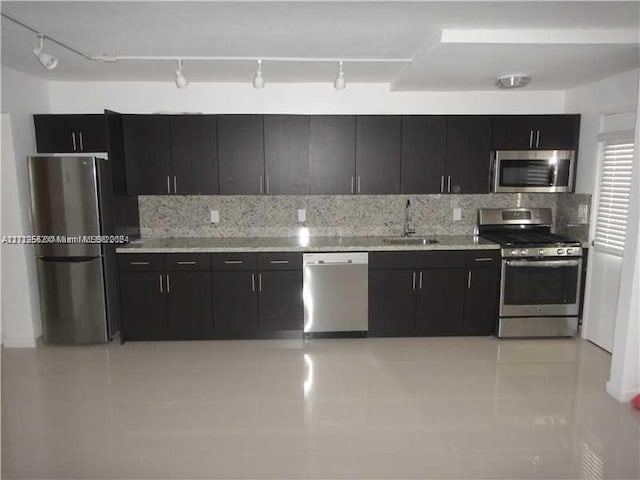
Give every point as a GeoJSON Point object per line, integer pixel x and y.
{"type": "Point", "coordinates": [355, 408]}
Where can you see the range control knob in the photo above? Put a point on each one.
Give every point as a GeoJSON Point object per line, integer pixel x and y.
{"type": "Point", "coordinates": [524, 251]}
{"type": "Point", "coordinates": [569, 251]}
{"type": "Point", "coordinates": [514, 252]}
{"type": "Point", "coordinates": [542, 251]}
{"type": "Point", "coordinates": [561, 251]}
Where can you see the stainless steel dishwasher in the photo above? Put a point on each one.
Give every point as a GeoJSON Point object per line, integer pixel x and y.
{"type": "Point", "coordinates": [336, 293]}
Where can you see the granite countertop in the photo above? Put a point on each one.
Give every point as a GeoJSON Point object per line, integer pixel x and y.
{"type": "Point", "coordinates": [297, 244]}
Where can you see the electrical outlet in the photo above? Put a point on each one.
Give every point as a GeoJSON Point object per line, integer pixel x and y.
{"type": "Point", "coordinates": [302, 214]}
{"type": "Point", "coordinates": [215, 216]}
{"type": "Point", "coordinates": [457, 214]}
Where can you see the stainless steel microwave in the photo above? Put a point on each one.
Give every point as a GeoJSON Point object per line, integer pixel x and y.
{"type": "Point", "coordinates": [542, 171]}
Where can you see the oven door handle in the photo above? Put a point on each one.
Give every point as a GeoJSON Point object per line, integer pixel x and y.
{"type": "Point", "coordinates": [543, 263]}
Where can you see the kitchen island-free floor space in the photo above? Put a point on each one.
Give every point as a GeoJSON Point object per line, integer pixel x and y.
{"type": "Point", "coordinates": [343, 408]}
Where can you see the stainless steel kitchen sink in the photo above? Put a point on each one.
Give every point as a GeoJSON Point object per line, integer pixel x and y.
{"type": "Point", "coordinates": [411, 240]}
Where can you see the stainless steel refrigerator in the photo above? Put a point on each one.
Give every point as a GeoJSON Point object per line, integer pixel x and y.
{"type": "Point", "coordinates": [71, 208]}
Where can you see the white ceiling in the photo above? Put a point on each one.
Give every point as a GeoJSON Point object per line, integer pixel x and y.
{"type": "Point", "coordinates": [454, 45]}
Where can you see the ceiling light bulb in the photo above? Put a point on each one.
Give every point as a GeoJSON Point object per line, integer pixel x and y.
{"type": "Point", "coordinates": [258, 79]}
{"type": "Point", "coordinates": [47, 60]}
{"type": "Point", "coordinates": [339, 83]}
{"type": "Point", "coordinates": [181, 80]}
{"type": "Point", "coordinates": [514, 80]}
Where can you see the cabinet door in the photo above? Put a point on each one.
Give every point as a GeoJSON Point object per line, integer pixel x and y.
{"type": "Point", "coordinates": [241, 154]}
{"type": "Point", "coordinates": [144, 305]}
{"type": "Point", "coordinates": [190, 314]}
{"type": "Point", "coordinates": [468, 155]}
{"type": "Point", "coordinates": [423, 151]}
{"type": "Point", "coordinates": [378, 143]}
{"type": "Point", "coordinates": [332, 154]}
{"type": "Point", "coordinates": [280, 300]}
{"type": "Point", "coordinates": [194, 154]}
{"type": "Point", "coordinates": [92, 133]}
{"type": "Point", "coordinates": [480, 312]}
{"type": "Point", "coordinates": [235, 307]}
{"type": "Point", "coordinates": [286, 154]}
{"type": "Point", "coordinates": [513, 132]}
{"type": "Point", "coordinates": [391, 303]}
{"type": "Point", "coordinates": [558, 132]}
{"type": "Point", "coordinates": [55, 133]}
{"type": "Point", "coordinates": [147, 154]}
{"type": "Point", "coordinates": [440, 302]}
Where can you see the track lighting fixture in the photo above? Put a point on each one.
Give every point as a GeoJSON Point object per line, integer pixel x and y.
{"type": "Point", "coordinates": [181, 80]}
{"type": "Point", "coordinates": [47, 60]}
{"type": "Point", "coordinates": [339, 83]}
{"type": "Point", "coordinates": [514, 80]}
{"type": "Point", "coordinates": [258, 79]}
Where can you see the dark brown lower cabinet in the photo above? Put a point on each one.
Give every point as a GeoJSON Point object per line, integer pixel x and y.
{"type": "Point", "coordinates": [391, 303]}
{"type": "Point", "coordinates": [440, 302]}
{"type": "Point", "coordinates": [143, 305]}
{"type": "Point", "coordinates": [235, 304]}
{"type": "Point", "coordinates": [481, 301]}
{"type": "Point", "coordinates": [280, 304]}
{"type": "Point", "coordinates": [189, 305]}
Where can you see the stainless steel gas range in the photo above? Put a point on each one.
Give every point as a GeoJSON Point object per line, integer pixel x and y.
{"type": "Point", "coordinates": [541, 273]}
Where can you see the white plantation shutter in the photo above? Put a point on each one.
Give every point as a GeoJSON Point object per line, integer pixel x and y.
{"type": "Point", "coordinates": [614, 190]}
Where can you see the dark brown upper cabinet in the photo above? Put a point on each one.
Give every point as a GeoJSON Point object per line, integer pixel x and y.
{"type": "Point", "coordinates": [332, 154]}
{"type": "Point", "coordinates": [286, 154]}
{"type": "Point", "coordinates": [423, 153]}
{"type": "Point", "coordinates": [70, 133]}
{"type": "Point", "coordinates": [194, 154]}
{"type": "Point", "coordinates": [378, 145]}
{"type": "Point", "coordinates": [468, 154]}
{"type": "Point", "coordinates": [241, 154]}
{"type": "Point", "coordinates": [536, 132]}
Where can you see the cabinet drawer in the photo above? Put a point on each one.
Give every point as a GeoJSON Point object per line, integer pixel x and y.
{"type": "Point", "coordinates": [483, 258]}
{"type": "Point", "coordinates": [233, 261]}
{"type": "Point", "coordinates": [188, 261]}
{"type": "Point", "coordinates": [417, 260]}
{"type": "Point", "coordinates": [140, 262]}
{"type": "Point", "coordinates": [280, 261]}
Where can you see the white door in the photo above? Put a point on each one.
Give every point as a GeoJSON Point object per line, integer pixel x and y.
{"type": "Point", "coordinates": [611, 211]}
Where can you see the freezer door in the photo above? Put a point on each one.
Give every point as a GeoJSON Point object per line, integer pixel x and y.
{"type": "Point", "coordinates": [64, 202]}
{"type": "Point", "coordinates": [72, 300]}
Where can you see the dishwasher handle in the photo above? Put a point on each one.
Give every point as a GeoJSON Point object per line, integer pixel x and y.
{"type": "Point", "coordinates": [331, 262]}
{"type": "Point", "coordinates": [338, 258]}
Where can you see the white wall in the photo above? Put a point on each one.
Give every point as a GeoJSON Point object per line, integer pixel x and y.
{"type": "Point", "coordinates": [612, 95]}
{"type": "Point", "coordinates": [148, 97]}
{"type": "Point", "coordinates": [22, 95]}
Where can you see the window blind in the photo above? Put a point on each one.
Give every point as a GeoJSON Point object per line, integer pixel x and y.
{"type": "Point", "coordinates": [614, 192]}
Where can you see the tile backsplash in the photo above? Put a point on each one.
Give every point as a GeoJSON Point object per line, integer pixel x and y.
{"type": "Point", "coordinates": [338, 215]}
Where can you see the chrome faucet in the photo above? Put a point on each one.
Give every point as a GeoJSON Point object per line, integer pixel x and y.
{"type": "Point", "coordinates": [408, 225]}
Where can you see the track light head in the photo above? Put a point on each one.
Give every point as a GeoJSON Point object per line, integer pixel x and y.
{"type": "Point", "coordinates": [47, 60]}
{"type": "Point", "coordinates": [181, 80]}
{"type": "Point", "coordinates": [258, 79]}
{"type": "Point", "coordinates": [340, 83]}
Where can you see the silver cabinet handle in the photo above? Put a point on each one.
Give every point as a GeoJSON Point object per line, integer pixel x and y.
{"type": "Point", "coordinates": [413, 280]}
{"type": "Point", "coordinates": [175, 186]}
{"type": "Point", "coordinates": [168, 284]}
{"type": "Point", "coordinates": [279, 262]}
{"type": "Point", "coordinates": [358, 183]}
{"type": "Point", "coordinates": [138, 263]}
{"type": "Point", "coordinates": [161, 291]}
{"type": "Point", "coordinates": [441, 183]}
{"type": "Point", "coordinates": [73, 138]}
{"type": "Point", "coordinates": [483, 259]}
{"type": "Point", "coordinates": [260, 181]}
{"type": "Point", "coordinates": [420, 282]}
{"type": "Point", "coordinates": [233, 262]}
{"type": "Point", "coordinates": [530, 138]}
{"type": "Point", "coordinates": [186, 263]}
{"type": "Point", "coordinates": [538, 139]}
{"type": "Point", "coordinates": [259, 282]}
{"type": "Point", "coordinates": [449, 184]}
{"type": "Point", "coordinates": [266, 182]}
{"type": "Point", "coordinates": [81, 143]}
{"type": "Point", "coordinates": [352, 184]}
{"type": "Point", "coordinates": [253, 282]}
{"type": "Point", "coordinates": [469, 279]}
{"type": "Point", "coordinates": [168, 185]}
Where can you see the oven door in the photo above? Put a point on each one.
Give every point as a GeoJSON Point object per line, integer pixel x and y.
{"type": "Point", "coordinates": [540, 287]}
{"type": "Point", "coordinates": [533, 171]}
